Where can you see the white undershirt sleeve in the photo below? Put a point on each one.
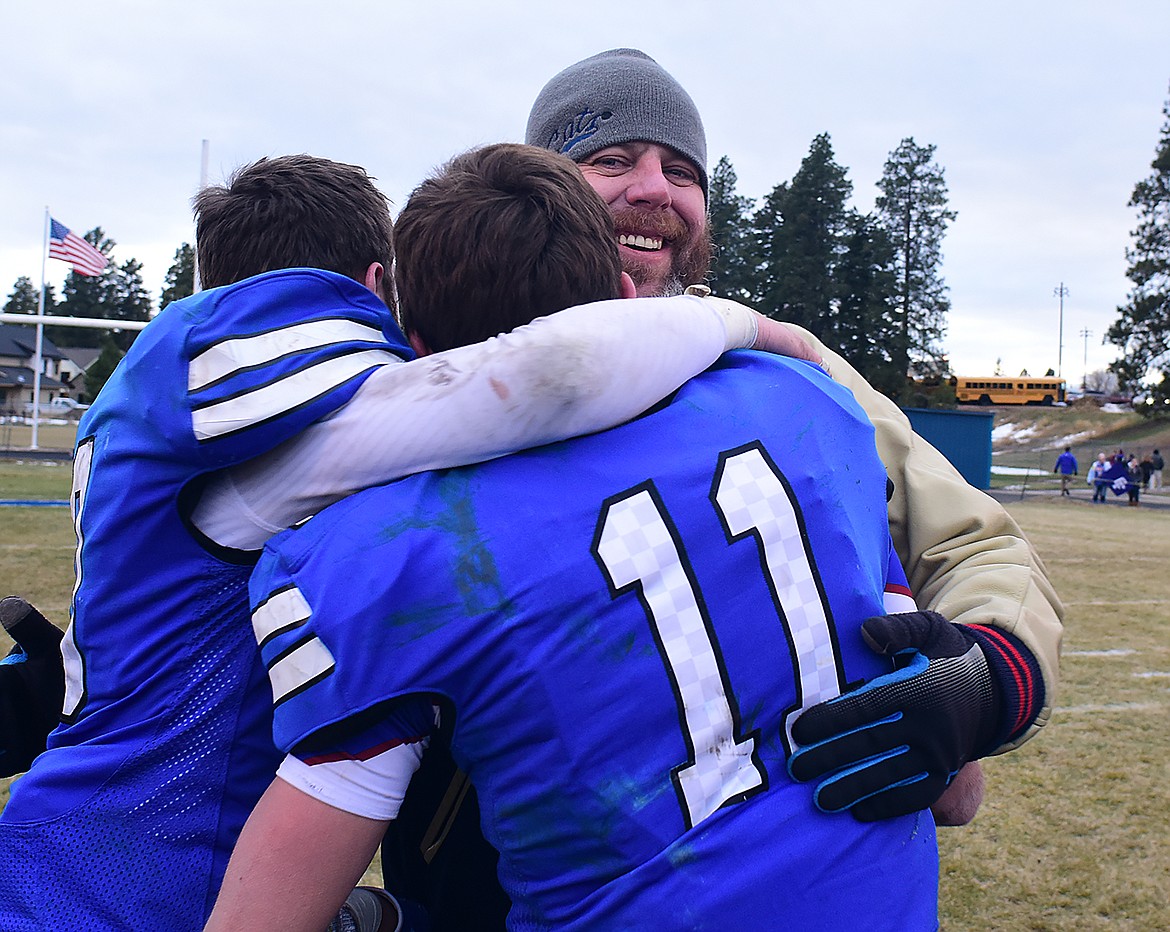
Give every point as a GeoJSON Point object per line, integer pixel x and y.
{"type": "Point", "coordinates": [581, 370]}
{"type": "Point", "coordinates": [373, 788]}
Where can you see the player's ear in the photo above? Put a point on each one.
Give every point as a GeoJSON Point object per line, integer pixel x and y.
{"type": "Point", "coordinates": [416, 343]}
{"type": "Point", "coordinates": [373, 279]}
{"type": "Point", "coordinates": [628, 288]}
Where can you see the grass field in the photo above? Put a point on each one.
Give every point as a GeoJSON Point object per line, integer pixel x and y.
{"type": "Point", "coordinates": [1074, 833]}
{"type": "Point", "coordinates": [58, 435]}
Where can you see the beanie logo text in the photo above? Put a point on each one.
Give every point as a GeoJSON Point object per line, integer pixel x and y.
{"type": "Point", "coordinates": [581, 127]}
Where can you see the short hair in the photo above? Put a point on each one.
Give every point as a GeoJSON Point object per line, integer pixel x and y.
{"type": "Point", "coordinates": [499, 236]}
{"type": "Point", "coordinates": [292, 211]}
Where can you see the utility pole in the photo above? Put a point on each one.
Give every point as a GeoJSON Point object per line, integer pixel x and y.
{"type": "Point", "coordinates": [1085, 334]}
{"type": "Point", "coordinates": [1062, 293]}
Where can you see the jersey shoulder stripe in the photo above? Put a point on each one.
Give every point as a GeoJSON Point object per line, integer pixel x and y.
{"type": "Point", "coordinates": [303, 666]}
{"type": "Point", "coordinates": [237, 354]}
{"type": "Point", "coordinates": [283, 611]}
{"type": "Point", "coordinates": [262, 403]}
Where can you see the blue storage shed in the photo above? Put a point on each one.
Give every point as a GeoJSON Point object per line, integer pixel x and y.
{"type": "Point", "coordinates": [963, 437]}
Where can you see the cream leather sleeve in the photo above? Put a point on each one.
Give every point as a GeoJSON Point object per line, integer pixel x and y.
{"type": "Point", "coordinates": [964, 555]}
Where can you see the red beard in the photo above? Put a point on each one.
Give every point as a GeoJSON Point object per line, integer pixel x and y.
{"type": "Point", "coordinates": [690, 250]}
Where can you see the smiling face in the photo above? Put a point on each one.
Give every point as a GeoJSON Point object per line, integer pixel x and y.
{"type": "Point", "coordinates": [659, 212]}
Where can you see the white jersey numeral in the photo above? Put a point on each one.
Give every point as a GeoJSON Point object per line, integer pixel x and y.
{"type": "Point", "coordinates": [639, 550]}
{"type": "Point", "coordinates": [754, 500]}
{"type": "Point", "coordinates": [74, 662]}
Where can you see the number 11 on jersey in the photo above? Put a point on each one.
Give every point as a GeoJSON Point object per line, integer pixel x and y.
{"type": "Point", "coordinates": [639, 549]}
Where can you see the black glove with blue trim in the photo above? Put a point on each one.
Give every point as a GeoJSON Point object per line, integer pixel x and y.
{"type": "Point", "coordinates": [893, 745]}
{"type": "Point", "coordinates": [32, 685]}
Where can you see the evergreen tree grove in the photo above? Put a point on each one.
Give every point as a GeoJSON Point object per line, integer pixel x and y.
{"type": "Point", "coordinates": [822, 265]}
{"type": "Point", "coordinates": [118, 293]}
{"type": "Point", "coordinates": [865, 332]}
{"type": "Point", "coordinates": [798, 233]}
{"type": "Point", "coordinates": [102, 367]}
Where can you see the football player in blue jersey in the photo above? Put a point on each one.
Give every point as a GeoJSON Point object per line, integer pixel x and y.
{"type": "Point", "coordinates": [237, 412]}
{"type": "Point", "coordinates": [614, 636]}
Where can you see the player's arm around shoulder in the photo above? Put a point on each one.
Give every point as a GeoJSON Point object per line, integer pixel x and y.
{"type": "Point", "coordinates": [964, 555]}
{"type": "Point", "coordinates": [581, 370]}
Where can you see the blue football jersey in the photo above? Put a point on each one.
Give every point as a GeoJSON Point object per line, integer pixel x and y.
{"type": "Point", "coordinates": [127, 820]}
{"type": "Point", "coordinates": [619, 631]}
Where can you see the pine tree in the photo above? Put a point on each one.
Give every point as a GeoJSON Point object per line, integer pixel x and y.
{"type": "Point", "coordinates": [865, 331]}
{"type": "Point", "coordinates": [799, 231]}
{"type": "Point", "coordinates": [180, 280]}
{"type": "Point", "coordinates": [102, 367]}
{"type": "Point", "coordinates": [729, 220]}
{"type": "Point", "coordinates": [128, 299]}
{"type": "Point", "coordinates": [118, 293]}
{"type": "Point", "coordinates": [1142, 329]}
{"type": "Point", "coordinates": [912, 209]}
{"type": "Point", "coordinates": [26, 297]}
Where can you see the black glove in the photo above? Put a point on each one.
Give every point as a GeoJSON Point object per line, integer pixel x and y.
{"type": "Point", "coordinates": [32, 685]}
{"type": "Point", "coordinates": [892, 746]}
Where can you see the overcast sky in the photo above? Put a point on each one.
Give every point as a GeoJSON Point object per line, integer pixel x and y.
{"type": "Point", "coordinates": [1045, 115]}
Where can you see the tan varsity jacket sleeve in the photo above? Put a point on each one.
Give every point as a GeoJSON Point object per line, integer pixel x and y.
{"type": "Point", "coordinates": [964, 555]}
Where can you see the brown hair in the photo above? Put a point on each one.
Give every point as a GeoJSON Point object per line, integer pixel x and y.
{"type": "Point", "coordinates": [499, 236]}
{"type": "Point", "coordinates": [294, 211]}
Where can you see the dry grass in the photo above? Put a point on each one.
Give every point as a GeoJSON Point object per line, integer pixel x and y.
{"type": "Point", "coordinates": [1075, 830]}
{"type": "Point", "coordinates": [36, 544]}
{"type": "Point", "coordinates": [57, 435]}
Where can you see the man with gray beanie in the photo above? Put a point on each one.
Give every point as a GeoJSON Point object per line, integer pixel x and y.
{"type": "Point", "coordinates": [638, 139]}
{"type": "Point", "coordinates": [976, 674]}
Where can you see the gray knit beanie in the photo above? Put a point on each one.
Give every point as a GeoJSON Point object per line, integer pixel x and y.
{"type": "Point", "coordinates": [614, 97]}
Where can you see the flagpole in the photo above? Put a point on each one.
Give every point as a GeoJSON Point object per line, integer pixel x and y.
{"type": "Point", "coordinates": [37, 356]}
{"type": "Point", "coordinates": [204, 159]}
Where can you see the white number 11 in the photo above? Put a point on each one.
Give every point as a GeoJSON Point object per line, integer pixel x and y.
{"type": "Point", "coordinates": [639, 549]}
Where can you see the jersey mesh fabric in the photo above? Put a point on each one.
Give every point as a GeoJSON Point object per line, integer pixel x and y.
{"type": "Point", "coordinates": [128, 818]}
{"type": "Point", "coordinates": [526, 625]}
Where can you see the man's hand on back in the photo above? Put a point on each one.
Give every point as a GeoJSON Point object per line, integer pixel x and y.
{"type": "Point", "coordinates": [893, 746]}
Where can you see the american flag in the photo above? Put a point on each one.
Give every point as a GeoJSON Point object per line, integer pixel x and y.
{"type": "Point", "coordinates": [69, 247]}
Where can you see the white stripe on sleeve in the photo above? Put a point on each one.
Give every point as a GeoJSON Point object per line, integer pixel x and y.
{"type": "Point", "coordinates": [299, 668]}
{"type": "Point", "coordinates": [898, 602]}
{"type": "Point", "coordinates": [231, 356]}
{"type": "Point", "coordinates": [275, 398]}
{"type": "Point", "coordinates": [283, 610]}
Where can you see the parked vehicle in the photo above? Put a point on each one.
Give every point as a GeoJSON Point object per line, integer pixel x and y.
{"type": "Point", "coordinates": [1004, 390]}
{"type": "Point", "coordinates": [58, 407]}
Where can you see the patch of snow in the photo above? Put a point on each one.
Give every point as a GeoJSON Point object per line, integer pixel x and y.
{"type": "Point", "coordinates": [1011, 432]}
{"type": "Point", "coordinates": [1061, 442]}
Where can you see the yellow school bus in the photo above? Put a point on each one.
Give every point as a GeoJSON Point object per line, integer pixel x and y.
{"type": "Point", "coordinates": [1002, 390]}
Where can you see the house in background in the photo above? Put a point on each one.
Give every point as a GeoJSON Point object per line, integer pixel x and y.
{"type": "Point", "coordinates": [75, 363]}
{"type": "Point", "coordinates": [18, 346]}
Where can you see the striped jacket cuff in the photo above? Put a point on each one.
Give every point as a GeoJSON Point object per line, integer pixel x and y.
{"type": "Point", "coordinates": [1017, 675]}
